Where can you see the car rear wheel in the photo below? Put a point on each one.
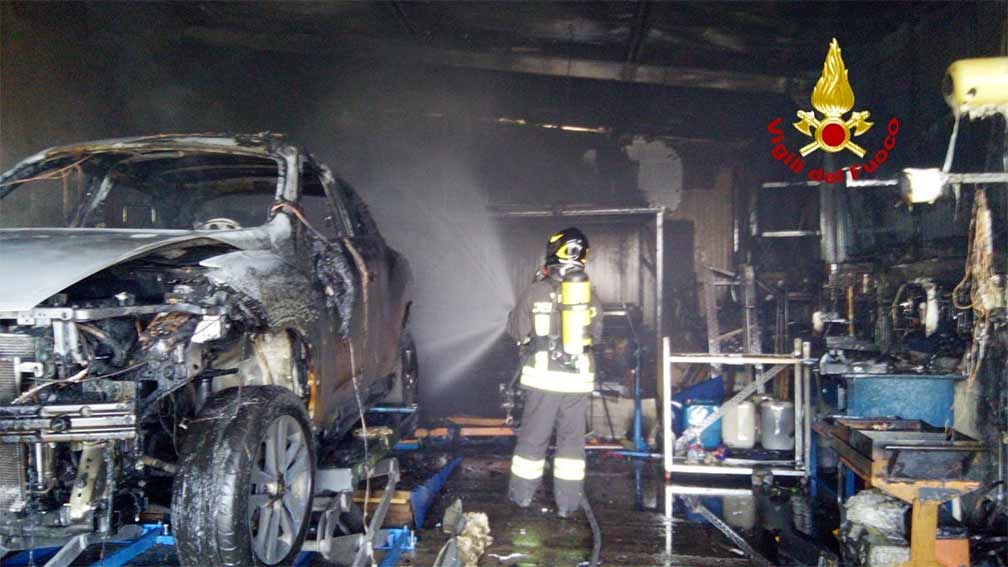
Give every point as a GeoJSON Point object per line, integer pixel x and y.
{"type": "Point", "coordinates": [405, 388]}
{"type": "Point", "coordinates": [244, 489]}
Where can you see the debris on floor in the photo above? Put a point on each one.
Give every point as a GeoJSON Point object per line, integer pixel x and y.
{"type": "Point", "coordinates": [470, 537]}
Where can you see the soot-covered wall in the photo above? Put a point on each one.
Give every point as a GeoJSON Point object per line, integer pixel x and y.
{"type": "Point", "coordinates": [421, 144]}
{"type": "Point", "coordinates": [426, 149]}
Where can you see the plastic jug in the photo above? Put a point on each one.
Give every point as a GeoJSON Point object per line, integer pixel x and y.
{"type": "Point", "coordinates": [738, 426]}
{"type": "Point", "coordinates": [777, 425]}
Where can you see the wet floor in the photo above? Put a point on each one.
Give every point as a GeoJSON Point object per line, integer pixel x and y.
{"type": "Point", "coordinates": [629, 505]}
{"type": "Point", "coordinates": [630, 501]}
{"type": "Point", "coordinates": [536, 537]}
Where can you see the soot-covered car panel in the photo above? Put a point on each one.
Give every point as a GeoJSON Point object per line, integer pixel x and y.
{"type": "Point", "coordinates": [148, 281]}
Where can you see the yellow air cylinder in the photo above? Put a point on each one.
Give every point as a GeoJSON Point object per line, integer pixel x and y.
{"type": "Point", "coordinates": [575, 300]}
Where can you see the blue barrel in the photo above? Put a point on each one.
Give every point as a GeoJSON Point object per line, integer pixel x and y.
{"type": "Point", "coordinates": [696, 412]}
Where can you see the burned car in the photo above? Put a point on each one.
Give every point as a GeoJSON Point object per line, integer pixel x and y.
{"type": "Point", "coordinates": [184, 322]}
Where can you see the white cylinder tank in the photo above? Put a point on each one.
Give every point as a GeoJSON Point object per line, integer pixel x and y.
{"type": "Point", "coordinates": [738, 426]}
{"type": "Point", "coordinates": [777, 425]}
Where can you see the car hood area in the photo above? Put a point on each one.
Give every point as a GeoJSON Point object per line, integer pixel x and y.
{"type": "Point", "coordinates": [38, 263]}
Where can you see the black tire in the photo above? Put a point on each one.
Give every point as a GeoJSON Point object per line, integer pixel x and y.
{"type": "Point", "coordinates": [211, 499]}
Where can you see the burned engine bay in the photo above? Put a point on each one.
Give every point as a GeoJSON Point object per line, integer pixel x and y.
{"type": "Point", "coordinates": [100, 380]}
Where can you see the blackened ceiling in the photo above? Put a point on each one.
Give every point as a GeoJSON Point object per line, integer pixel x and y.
{"type": "Point", "coordinates": [696, 70]}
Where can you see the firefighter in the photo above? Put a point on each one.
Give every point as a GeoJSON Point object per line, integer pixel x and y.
{"type": "Point", "coordinates": [555, 321]}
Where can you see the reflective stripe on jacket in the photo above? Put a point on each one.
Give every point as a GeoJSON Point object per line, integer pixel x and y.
{"type": "Point", "coordinates": [550, 375]}
{"type": "Point", "coordinates": [537, 315]}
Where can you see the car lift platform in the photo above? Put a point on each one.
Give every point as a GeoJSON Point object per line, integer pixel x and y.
{"type": "Point", "coordinates": [337, 476]}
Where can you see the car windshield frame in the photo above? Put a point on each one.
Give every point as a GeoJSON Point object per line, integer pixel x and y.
{"type": "Point", "coordinates": [99, 171]}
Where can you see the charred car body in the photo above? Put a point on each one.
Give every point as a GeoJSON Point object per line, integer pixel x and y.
{"type": "Point", "coordinates": [186, 320]}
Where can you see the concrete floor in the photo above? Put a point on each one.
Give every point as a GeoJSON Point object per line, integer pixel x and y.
{"type": "Point", "coordinates": [632, 521]}
{"type": "Point", "coordinates": [631, 537]}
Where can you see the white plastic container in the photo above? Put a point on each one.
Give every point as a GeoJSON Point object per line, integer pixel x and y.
{"type": "Point", "coordinates": [740, 510]}
{"type": "Point", "coordinates": [738, 426]}
{"type": "Point", "coordinates": [777, 425]}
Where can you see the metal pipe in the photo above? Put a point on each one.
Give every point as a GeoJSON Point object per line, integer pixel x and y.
{"type": "Point", "coordinates": [1001, 466]}
{"type": "Point", "coordinates": [688, 490]}
{"type": "Point", "coordinates": [788, 233]}
{"type": "Point", "coordinates": [42, 458]}
{"type": "Point", "coordinates": [638, 418]}
{"type": "Point", "coordinates": [605, 447]}
{"type": "Point", "coordinates": [978, 178]}
{"type": "Point", "coordinates": [754, 556]}
{"type": "Point", "coordinates": [659, 277]}
{"type": "Point", "coordinates": [850, 310]}
{"type": "Point", "coordinates": [550, 213]}
{"type": "Point", "coordinates": [785, 184]}
{"type": "Point", "coordinates": [638, 454]}
{"type": "Point", "coordinates": [726, 470]}
{"type": "Point", "coordinates": [730, 334]}
{"type": "Point", "coordinates": [730, 359]}
{"type": "Point", "coordinates": [153, 462]}
{"type": "Point", "coordinates": [807, 389]}
{"type": "Point", "coordinates": [384, 409]}
{"type": "Point", "coordinates": [666, 409]}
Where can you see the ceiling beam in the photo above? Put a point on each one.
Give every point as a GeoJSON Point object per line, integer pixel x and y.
{"type": "Point", "coordinates": [689, 77]}
{"type": "Point", "coordinates": [670, 76]}
{"type": "Point", "coordinates": [638, 33]}
{"type": "Point", "coordinates": [403, 19]}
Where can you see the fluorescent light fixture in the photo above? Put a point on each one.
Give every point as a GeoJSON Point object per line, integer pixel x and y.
{"type": "Point", "coordinates": [922, 185]}
{"type": "Point", "coordinates": [548, 126]}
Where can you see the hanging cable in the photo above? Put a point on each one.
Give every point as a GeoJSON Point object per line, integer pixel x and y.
{"type": "Point", "coordinates": [364, 437]}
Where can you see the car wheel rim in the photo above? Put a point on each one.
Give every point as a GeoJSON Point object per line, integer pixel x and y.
{"type": "Point", "coordinates": [280, 490]}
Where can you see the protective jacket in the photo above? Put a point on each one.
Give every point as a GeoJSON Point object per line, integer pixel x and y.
{"type": "Point", "coordinates": [558, 394]}
{"type": "Point", "coordinates": [536, 318]}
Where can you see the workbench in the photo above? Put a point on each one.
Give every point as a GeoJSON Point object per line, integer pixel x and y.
{"type": "Point", "coordinates": [908, 460]}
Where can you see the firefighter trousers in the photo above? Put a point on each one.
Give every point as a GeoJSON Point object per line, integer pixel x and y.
{"type": "Point", "coordinates": [543, 412]}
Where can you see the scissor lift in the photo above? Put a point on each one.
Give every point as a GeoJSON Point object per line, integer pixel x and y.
{"type": "Point", "coordinates": [338, 475]}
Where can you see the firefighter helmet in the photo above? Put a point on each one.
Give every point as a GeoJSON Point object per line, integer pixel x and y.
{"type": "Point", "coordinates": [568, 246]}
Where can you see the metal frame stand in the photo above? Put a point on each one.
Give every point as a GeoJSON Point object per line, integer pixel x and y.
{"type": "Point", "coordinates": [334, 495]}
{"type": "Point", "coordinates": [776, 363]}
{"type": "Point", "coordinates": [754, 556]}
{"type": "Point", "coordinates": [139, 539]}
{"type": "Point", "coordinates": [657, 213]}
{"type": "Point", "coordinates": [334, 489]}
{"type": "Point", "coordinates": [342, 482]}
{"type": "Point", "coordinates": [638, 418]}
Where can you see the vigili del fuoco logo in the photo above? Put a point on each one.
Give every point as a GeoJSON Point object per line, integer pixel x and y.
{"type": "Point", "coordinates": [832, 97]}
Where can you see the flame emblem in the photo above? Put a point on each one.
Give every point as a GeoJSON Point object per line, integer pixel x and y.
{"type": "Point", "coordinates": [833, 97]}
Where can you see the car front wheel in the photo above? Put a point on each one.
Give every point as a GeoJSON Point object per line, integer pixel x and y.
{"type": "Point", "coordinates": [243, 492]}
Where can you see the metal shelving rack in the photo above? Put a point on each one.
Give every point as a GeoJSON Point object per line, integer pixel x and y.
{"type": "Point", "coordinates": [767, 366]}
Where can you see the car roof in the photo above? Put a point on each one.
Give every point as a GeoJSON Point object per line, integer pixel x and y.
{"type": "Point", "coordinates": [264, 141]}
